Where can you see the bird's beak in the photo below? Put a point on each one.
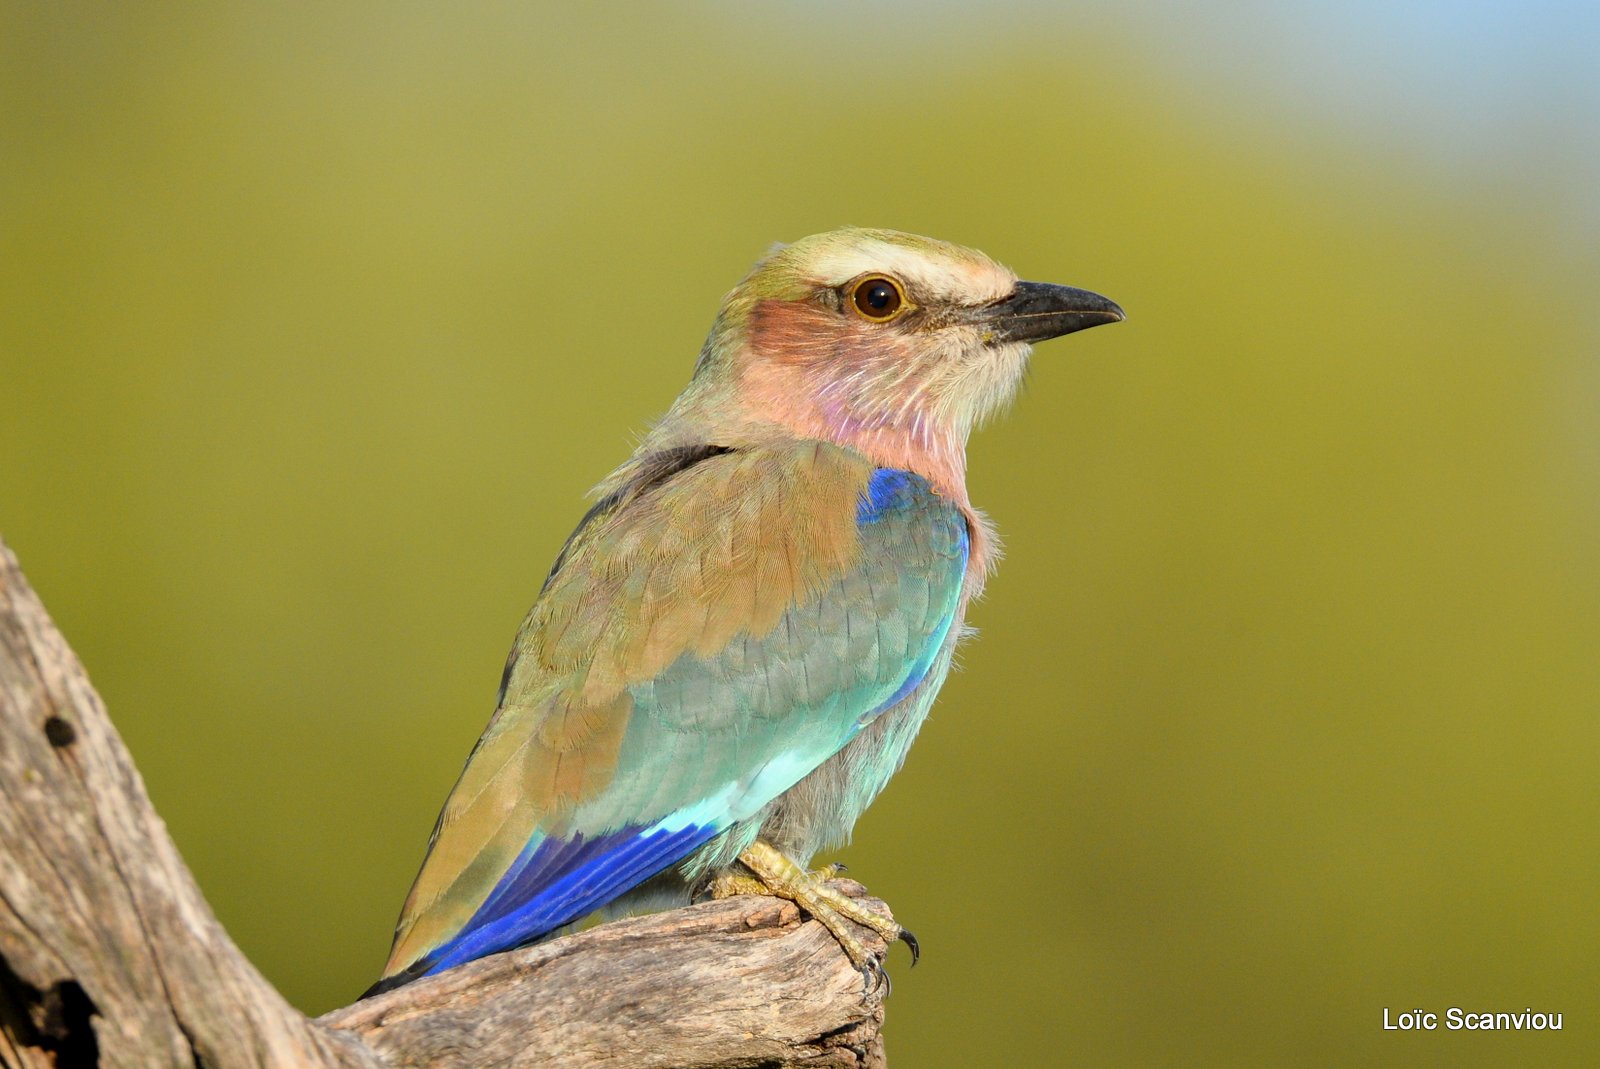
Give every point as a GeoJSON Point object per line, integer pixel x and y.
{"type": "Point", "coordinates": [1035, 311]}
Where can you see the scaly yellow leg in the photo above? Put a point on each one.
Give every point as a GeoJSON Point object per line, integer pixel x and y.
{"type": "Point", "coordinates": [743, 883]}
{"type": "Point", "coordinates": [775, 874]}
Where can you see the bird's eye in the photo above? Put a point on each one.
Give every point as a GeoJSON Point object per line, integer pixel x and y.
{"type": "Point", "coordinates": [878, 298]}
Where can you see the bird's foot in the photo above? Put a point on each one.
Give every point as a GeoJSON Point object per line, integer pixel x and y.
{"type": "Point", "coordinates": [743, 883]}
{"type": "Point", "coordinates": [737, 883]}
{"type": "Point", "coordinates": [773, 873]}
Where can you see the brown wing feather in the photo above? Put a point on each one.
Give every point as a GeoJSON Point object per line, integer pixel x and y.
{"type": "Point", "coordinates": [689, 561]}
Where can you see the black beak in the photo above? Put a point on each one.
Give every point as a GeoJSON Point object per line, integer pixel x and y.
{"type": "Point", "coordinates": [1038, 310]}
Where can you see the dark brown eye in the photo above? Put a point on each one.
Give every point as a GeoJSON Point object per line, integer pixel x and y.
{"type": "Point", "coordinates": [878, 298]}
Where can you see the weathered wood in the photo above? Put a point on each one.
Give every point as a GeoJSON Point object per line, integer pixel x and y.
{"type": "Point", "coordinates": [110, 956]}
{"type": "Point", "coordinates": [108, 948]}
{"type": "Point", "coordinates": [627, 995]}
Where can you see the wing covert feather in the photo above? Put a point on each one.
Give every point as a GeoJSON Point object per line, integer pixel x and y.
{"type": "Point", "coordinates": [704, 641]}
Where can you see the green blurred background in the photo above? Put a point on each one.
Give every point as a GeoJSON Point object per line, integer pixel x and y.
{"type": "Point", "coordinates": [317, 321]}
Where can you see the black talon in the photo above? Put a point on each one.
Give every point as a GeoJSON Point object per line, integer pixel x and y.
{"type": "Point", "coordinates": [874, 976]}
{"type": "Point", "coordinates": [911, 941]}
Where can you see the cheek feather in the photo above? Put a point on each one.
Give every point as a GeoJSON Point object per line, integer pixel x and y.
{"type": "Point", "coordinates": [794, 332]}
{"type": "Point", "coordinates": [807, 363]}
{"type": "Point", "coordinates": [801, 356]}
{"type": "Point", "coordinates": [906, 399]}
{"type": "Point", "coordinates": [981, 383]}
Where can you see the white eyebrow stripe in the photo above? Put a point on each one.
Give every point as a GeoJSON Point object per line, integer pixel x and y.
{"type": "Point", "coordinates": [960, 276]}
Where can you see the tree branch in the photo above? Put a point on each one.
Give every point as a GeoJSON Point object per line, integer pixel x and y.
{"type": "Point", "coordinates": [110, 956]}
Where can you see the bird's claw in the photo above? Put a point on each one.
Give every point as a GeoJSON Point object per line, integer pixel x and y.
{"type": "Point", "coordinates": [910, 941]}
{"type": "Point", "coordinates": [776, 874]}
{"type": "Point", "coordinates": [875, 976]}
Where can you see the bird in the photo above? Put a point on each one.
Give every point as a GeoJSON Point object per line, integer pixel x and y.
{"type": "Point", "coordinates": [734, 650]}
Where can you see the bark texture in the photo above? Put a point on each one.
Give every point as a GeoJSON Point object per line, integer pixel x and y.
{"type": "Point", "coordinates": [110, 956]}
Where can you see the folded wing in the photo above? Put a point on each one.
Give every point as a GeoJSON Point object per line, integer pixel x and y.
{"type": "Point", "coordinates": [712, 633]}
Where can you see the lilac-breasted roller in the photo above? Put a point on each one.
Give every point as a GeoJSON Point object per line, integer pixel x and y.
{"type": "Point", "coordinates": [736, 647]}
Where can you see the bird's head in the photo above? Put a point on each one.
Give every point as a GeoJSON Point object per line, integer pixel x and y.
{"type": "Point", "coordinates": [891, 343]}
